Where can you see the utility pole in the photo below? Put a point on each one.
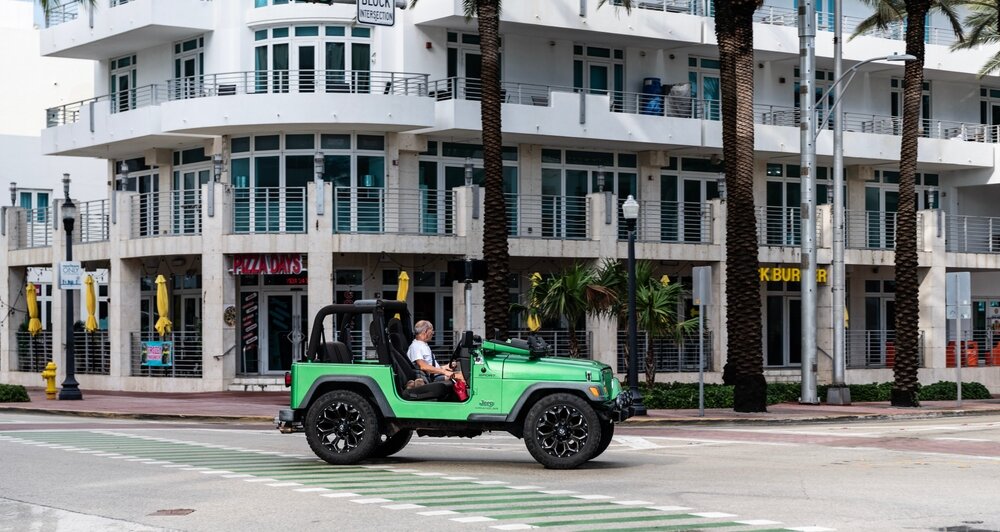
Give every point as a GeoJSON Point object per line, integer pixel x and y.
{"type": "Point", "coordinates": [807, 124]}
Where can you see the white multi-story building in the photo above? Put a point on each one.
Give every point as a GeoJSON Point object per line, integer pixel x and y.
{"type": "Point", "coordinates": [215, 117]}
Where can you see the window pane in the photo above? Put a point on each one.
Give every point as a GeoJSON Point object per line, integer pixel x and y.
{"type": "Point", "coordinates": [335, 142]}
{"type": "Point", "coordinates": [241, 144]}
{"type": "Point", "coordinates": [266, 142]}
{"type": "Point", "coordinates": [371, 142]}
{"type": "Point", "coordinates": [300, 142]}
{"type": "Point", "coordinates": [267, 171]}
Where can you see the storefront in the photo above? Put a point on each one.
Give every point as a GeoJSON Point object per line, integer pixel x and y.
{"type": "Point", "coordinates": [273, 305]}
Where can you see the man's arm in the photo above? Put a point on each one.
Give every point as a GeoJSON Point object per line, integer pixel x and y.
{"type": "Point", "coordinates": [422, 365]}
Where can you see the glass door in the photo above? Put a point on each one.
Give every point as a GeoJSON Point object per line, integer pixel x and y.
{"type": "Point", "coordinates": [881, 205]}
{"type": "Point", "coordinates": [783, 331]}
{"type": "Point", "coordinates": [781, 216]}
{"type": "Point", "coordinates": [285, 329]}
{"type": "Point", "coordinates": [305, 66]}
{"type": "Point", "coordinates": [187, 201]}
{"type": "Point", "coordinates": [124, 95]}
{"type": "Point", "coordinates": [880, 325]}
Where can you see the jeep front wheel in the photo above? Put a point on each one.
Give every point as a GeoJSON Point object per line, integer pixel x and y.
{"type": "Point", "coordinates": [562, 431]}
{"type": "Point", "coordinates": [342, 428]}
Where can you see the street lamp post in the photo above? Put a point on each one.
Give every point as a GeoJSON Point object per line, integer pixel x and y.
{"type": "Point", "coordinates": [810, 132]}
{"type": "Point", "coordinates": [70, 388]}
{"type": "Point", "coordinates": [319, 168]}
{"type": "Point", "coordinates": [630, 210]}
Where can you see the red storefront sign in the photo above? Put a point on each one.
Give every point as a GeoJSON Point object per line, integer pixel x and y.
{"type": "Point", "coordinates": [268, 264]}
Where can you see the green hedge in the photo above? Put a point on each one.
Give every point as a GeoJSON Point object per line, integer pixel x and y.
{"type": "Point", "coordinates": [13, 393]}
{"type": "Point", "coordinates": [676, 395]}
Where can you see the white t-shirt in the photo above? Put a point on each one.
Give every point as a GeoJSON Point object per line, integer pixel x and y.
{"type": "Point", "coordinates": [419, 349]}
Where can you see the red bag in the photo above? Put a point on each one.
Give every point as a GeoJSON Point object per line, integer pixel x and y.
{"type": "Point", "coordinates": [461, 390]}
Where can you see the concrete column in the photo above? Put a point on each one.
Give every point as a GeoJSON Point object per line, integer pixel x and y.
{"type": "Point", "coordinates": [58, 298]}
{"type": "Point", "coordinates": [471, 229]}
{"type": "Point", "coordinates": [824, 295]}
{"type": "Point", "coordinates": [124, 291]}
{"type": "Point", "coordinates": [604, 229]}
{"type": "Point", "coordinates": [932, 320]}
{"type": "Point", "coordinates": [218, 348]}
{"type": "Point", "coordinates": [320, 260]}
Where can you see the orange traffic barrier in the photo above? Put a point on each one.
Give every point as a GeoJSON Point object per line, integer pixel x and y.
{"type": "Point", "coordinates": [971, 358]}
{"type": "Point", "coordinates": [890, 354]}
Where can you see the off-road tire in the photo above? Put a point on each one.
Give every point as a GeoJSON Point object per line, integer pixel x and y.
{"type": "Point", "coordinates": [562, 431]}
{"type": "Point", "coordinates": [607, 433]}
{"type": "Point", "coordinates": [342, 428]}
{"type": "Point", "coordinates": [393, 444]}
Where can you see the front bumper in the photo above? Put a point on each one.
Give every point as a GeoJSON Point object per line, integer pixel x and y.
{"type": "Point", "coordinates": [622, 408]}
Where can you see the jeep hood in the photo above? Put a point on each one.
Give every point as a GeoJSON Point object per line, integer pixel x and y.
{"type": "Point", "coordinates": [551, 368]}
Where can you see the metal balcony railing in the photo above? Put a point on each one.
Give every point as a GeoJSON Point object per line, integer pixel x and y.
{"type": "Point", "coordinates": [665, 105]}
{"type": "Point", "coordinates": [269, 210]}
{"type": "Point", "coordinates": [92, 352]}
{"type": "Point", "coordinates": [870, 229]}
{"type": "Point", "coordinates": [185, 351]}
{"type": "Point", "coordinates": [456, 88]}
{"type": "Point", "coordinates": [64, 11]}
{"type": "Point", "coordinates": [33, 352]}
{"type": "Point", "coordinates": [564, 217]}
{"type": "Point", "coordinates": [379, 210]}
{"type": "Point", "coordinates": [780, 226]}
{"type": "Point", "coordinates": [558, 340]}
{"type": "Point", "coordinates": [298, 82]}
{"type": "Point", "coordinates": [35, 228]}
{"type": "Point", "coordinates": [117, 102]}
{"type": "Point", "coordinates": [972, 234]}
{"type": "Point", "coordinates": [669, 221]}
{"type": "Point", "coordinates": [669, 355]}
{"type": "Point", "coordinates": [867, 349]}
{"type": "Point", "coordinates": [171, 213]}
{"type": "Point", "coordinates": [776, 115]}
{"type": "Point", "coordinates": [93, 222]}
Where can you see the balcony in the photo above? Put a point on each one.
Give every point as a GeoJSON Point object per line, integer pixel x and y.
{"type": "Point", "coordinates": [560, 217]}
{"type": "Point", "coordinates": [117, 27]}
{"type": "Point", "coordinates": [239, 101]}
{"type": "Point", "coordinates": [870, 230]}
{"type": "Point", "coordinates": [172, 213]}
{"type": "Point", "coordinates": [34, 228]}
{"type": "Point", "coordinates": [381, 210]}
{"type": "Point", "coordinates": [780, 227]}
{"type": "Point", "coordinates": [669, 221]}
{"type": "Point", "coordinates": [972, 234]}
{"type": "Point", "coordinates": [97, 126]}
{"type": "Point", "coordinates": [266, 210]}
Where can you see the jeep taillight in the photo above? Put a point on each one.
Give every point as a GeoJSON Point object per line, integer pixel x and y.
{"type": "Point", "coordinates": [288, 379]}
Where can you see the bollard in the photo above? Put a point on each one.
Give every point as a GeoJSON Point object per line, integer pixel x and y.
{"type": "Point", "coordinates": [49, 374]}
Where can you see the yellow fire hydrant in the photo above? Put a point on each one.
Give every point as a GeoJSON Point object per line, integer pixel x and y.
{"type": "Point", "coordinates": [49, 374]}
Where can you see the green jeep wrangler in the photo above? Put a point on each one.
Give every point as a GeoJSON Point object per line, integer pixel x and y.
{"type": "Point", "coordinates": [353, 409]}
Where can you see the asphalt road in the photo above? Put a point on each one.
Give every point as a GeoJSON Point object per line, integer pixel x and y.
{"type": "Point", "coordinates": [66, 473]}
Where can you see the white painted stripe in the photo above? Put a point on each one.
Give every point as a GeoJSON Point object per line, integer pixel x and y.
{"type": "Point", "coordinates": [473, 519]}
{"type": "Point", "coordinates": [237, 475]}
{"type": "Point", "coordinates": [158, 462]}
{"type": "Point", "coordinates": [216, 472]}
{"type": "Point", "coordinates": [178, 465]}
{"type": "Point", "coordinates": [283, 484]}
{"type": "Point", "coordinates": [138, 460]}
{"type": "Point", "coordinates": [259, 480]}
{"type": "Point", "coordinates": [758, 522]}
{"type": "Point", "coordinates": [439, 512]}
{"type": "Point", "coordinates": [195, 469]}
{"type": "Point", "coordinates": [428, 474]}
{"type": "Point", "coordinates": [459, 478]}
{"type": "Point", "coordinates": [810, 529]}
{"type": "Point", "coordinates": [669, 508]}
{"type": "Point", "coordinates": [404, 470]}
{"type": "Point", "coordinates": [592, 497]}
{"type": "Point", "coordinates": [339, 494]}
{"type": "Point", "coordinates": [514, 526]}
{"type": "Point", "coordinates": [558, 492]}
{"type": "Point", "coordinates": [489, 482]}
{"type": "Point", "coordinates": [403, 506]}
{"type": "Point", "coordinates": [524, 487]}
{"type": "Point", "coordinates": [373, 500]}
{"type": "Point", "coordinates": [712, 515]}
{"type": "Point", "coordinates": [312, 490]}
{"type": "Point", "coordinates": [631, 503]}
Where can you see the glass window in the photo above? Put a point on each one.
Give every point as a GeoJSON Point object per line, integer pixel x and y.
{"type": "Point", "coordinates": [371, 142]}
{"type": "Point", "coordinates": [279, 33]}
{"type": "Point", "coordinates": [300, 142]}
{"type": "Point", "coordinates": [335, 142]}
{"type": "Point", "coordinates": [334, 31]}
{"type": "Point", "coordinates": [361, 32]}
{"type": "Point", "coordinates": [306, 31]}
{"type": "Point", "coordinates": [551, 156]}
{"type": "Point", "coordinates": [337, 170]}
{"type": "Point", "coordinates": [348, 277]}
{"type": "Point", "coordinates": [267, 171]}
{"type": "Point", "coordinates": [260, 35]}
{"type": "Point", "coordinates": [241, 144]}
{"type": "Point", "coordinates": [241, 173]}
{"type": "Point", "coordinates": [266, 142]}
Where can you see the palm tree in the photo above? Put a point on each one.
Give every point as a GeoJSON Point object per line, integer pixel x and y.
{"type": "Point", "coordinates": [906, 383]}
{"type": "Point", "coordinates": [984, 30]}
{"type": "Point", "coordinates": [745, 366]}
{"type": "Point", "coordinates": [656, 314]}
{"type": "Point", "coordinates": [570, 294]}
{"type": "Point", "coordinates": [496, 298]}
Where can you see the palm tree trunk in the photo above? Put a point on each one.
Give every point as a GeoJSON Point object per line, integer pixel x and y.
{"type": "Point", "coordinates": [906, 383]}
{"type": "Point", "coordinates": [745, 366]}
{"type": "Point", "coordinates": [574, 346]}
{"type": "Point", "coordinates": [496, 298]}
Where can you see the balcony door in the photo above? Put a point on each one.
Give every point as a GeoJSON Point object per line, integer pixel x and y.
{"type": "Point", "coordinates": [284, 330]}
{"type": "Point", "coordinates": [123, 73]}
{"type": "Point", "coordinates": [783, 330]}
{"type": "Point", "coordinates": [782, 222]}
{"type": "Point", "coordinates": [186, 201]}
{"type": "Point", "coordinates": [189, 68]}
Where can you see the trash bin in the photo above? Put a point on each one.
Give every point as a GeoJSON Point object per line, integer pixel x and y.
{"type": "Point", "coordinates": [651, 100]}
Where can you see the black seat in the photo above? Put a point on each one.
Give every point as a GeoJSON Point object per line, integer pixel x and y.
{"type": "Point", "coordinates": [404, 371]}
{"type": "Point", "coordinates": [335, 352]}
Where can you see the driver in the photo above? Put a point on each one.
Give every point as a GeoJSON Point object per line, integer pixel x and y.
{"type": "Point", "coordinates": [423, 358]}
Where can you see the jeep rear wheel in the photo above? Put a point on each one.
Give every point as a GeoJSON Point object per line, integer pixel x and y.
{"type": "Point", "coordinates": [393, 444]}
{"type": "Point", "coordinates": [562, 431]}
{"type": "Point", "coordinates": [342, 428]}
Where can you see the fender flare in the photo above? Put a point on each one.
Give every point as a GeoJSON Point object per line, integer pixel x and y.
{"type": "Point", "coordinates": [582, 387]}
{"type": "Point", "coordinates": [369, 383]}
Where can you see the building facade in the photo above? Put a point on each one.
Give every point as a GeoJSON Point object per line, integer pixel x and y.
{"type": "Point", "coordinates": [269, 157]}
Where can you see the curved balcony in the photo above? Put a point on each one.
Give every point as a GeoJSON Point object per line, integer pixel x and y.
{"type": "Point", "coordinates": [118, 27]}
{"type": "Point", "coordinates": [236, 102]}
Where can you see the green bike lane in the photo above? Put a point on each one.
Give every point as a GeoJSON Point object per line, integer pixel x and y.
{"type": "Point", "coordinates": [464, 499]}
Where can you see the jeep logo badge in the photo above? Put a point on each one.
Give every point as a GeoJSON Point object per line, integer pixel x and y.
{"type": "Point", "coordinates": [486, 404]}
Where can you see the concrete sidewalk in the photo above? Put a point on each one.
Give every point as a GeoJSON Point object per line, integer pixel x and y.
{"type": "Point", "coordinates": [261, 407]}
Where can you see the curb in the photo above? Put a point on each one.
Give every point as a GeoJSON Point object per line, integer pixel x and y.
{"type": "Point", "coordinates": [660, 422]}
{"type": "Point", "coordinates": [148, 416]}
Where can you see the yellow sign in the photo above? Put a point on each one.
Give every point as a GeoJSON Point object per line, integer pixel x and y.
{"type": "Point", "coordinates": [793, 275]}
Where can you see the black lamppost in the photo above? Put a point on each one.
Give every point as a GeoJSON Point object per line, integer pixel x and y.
{"type": "Point", "coordinates": [70, 388]}
{"type": "Point", "coordinates": [630, 210]}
